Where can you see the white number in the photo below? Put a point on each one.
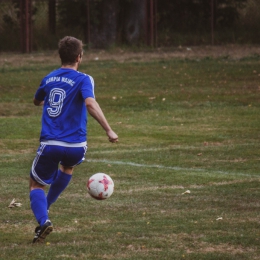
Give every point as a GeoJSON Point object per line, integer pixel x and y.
{"type": "Point", "coordinates": [57, 95]}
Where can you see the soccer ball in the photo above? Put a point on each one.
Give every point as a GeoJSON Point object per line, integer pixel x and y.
{"type": "Point", "coordinates": [100, 186]}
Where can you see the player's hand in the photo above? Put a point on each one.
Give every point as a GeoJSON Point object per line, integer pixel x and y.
{"type": "Point", "coordinates": [112, 136]}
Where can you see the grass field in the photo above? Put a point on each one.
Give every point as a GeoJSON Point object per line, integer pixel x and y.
{"type": "Point", "coordinates": [183, 124]}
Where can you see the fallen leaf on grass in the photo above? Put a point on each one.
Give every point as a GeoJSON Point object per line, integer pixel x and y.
{"type": "Point", "coordinates": [14, 204]}
{"type": "Point", "coordinates": [186, 192]}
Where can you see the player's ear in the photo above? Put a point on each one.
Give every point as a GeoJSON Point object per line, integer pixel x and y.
{"type": "Point", "coordinates": [79, 57]}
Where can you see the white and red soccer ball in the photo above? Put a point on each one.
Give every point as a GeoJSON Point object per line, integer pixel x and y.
{"type": "Point", "coordinates": [100, 186]}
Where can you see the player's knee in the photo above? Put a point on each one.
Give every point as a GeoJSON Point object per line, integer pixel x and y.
{"type": "Point", "coordinates": [66, 169]}
{"type": "Point", "coordinates": [35, 185]}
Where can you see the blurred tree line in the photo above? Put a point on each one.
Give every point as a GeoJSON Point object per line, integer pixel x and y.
{"type": "Point", "coordinates": [105, 23]}
{"type": "Point", "coordinates": [125, 21]}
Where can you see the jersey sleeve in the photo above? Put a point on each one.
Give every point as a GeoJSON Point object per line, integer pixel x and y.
{"type": "Point", "coordinates": [87, 88]}
{"type": "Point", "coordinates": [40, 93]}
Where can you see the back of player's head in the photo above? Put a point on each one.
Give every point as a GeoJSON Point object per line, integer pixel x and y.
{"type": "Point", "coordinates": [69, 49]}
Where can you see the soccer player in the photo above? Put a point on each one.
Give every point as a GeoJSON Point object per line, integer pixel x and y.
{"type": "Point", "coordinates": [66, 96]}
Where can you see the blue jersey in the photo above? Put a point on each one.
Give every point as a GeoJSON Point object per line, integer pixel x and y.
{"type": "Point", "coordinates": [64, 116]}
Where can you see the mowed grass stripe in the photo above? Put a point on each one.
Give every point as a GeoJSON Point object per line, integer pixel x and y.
{"type": "Point", "coordinates": [182, 125]}
{"type": "Point", "coordinates": [175, 168]}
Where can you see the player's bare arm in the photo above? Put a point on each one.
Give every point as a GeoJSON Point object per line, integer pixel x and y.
{"type": "Point", "coordinates": [37, 102]}
{"type": "Point", "coordinates": [96, 112]}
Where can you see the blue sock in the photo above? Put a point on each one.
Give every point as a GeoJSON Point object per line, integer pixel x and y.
{"type": "Point", "coordinates": [57, 187]}
{"type": "Point", "coordinates": [39, 205]}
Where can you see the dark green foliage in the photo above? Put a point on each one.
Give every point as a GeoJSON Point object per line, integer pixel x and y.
{"type": "Point", "coordinates": [189, 15]}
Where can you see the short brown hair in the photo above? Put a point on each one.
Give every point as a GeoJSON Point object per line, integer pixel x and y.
{"type": "Point", "coordinates": [69, 49]}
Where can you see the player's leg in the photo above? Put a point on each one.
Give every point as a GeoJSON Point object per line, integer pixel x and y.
{"type": "Point", "coordinates": [72, 157]}
{"type": "Point", "coordinates": [39, 208]}
{"type": "Point", "coordinates": [38, 201]}
{"type": "Point", "coordinates": [42, 173]}
{"type": "Point", "coordinates": [60, 183]}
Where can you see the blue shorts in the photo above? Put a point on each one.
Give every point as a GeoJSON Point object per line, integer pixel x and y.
{"type": "Point", "coordinates": [45, 164]}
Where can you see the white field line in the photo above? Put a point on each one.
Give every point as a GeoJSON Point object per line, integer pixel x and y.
{"type": "Point", "coordinates": [180, 187]}
{"type": "Point", "coordinates": [174, 147]}
{"type": "Point", "coordinates": [175, 168]}
{"type": "Point", "coordinates": [138, 150]}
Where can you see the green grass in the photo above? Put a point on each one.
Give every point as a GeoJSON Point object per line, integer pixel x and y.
{"type": "Point", "coordinates": [182, 125]}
